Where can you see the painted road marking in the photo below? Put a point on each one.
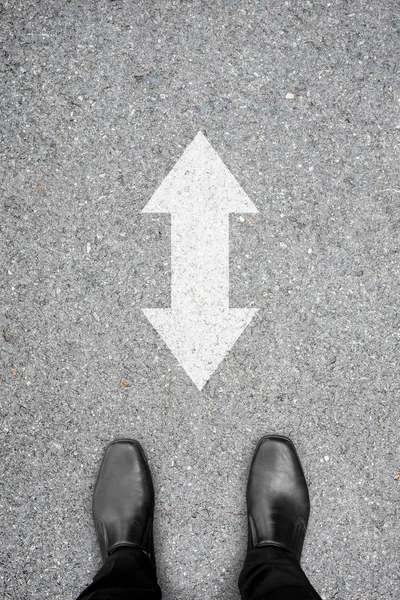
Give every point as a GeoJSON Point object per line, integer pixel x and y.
{"type": "Point", "coordinates": [200, 328]}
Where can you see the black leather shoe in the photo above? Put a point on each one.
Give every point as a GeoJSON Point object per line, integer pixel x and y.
{"type": "Point", "coordinates": [278, 504]}
{"type": "Point", "coordinates": [123, 499]}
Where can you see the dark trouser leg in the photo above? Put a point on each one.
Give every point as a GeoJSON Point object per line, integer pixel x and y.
{"type": "Point", "coordinates": [272, 573]}
{"type": "Point", "coordinates": [127, 574]}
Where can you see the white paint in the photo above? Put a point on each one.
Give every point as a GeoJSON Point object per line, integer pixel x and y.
{"type": "Point", "coordinates": [200, 328]}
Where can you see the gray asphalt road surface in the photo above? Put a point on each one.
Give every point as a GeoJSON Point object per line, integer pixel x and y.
{"type": "Point", "coordinates": [301, 101]}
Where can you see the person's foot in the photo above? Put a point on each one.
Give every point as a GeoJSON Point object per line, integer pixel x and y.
{"type": "Point", "coordinates": [278, 504]}
{"type": "Point", "coordinates": [123, 499]}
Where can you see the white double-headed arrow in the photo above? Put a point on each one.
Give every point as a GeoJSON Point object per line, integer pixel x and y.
{"type": "Point", "coordinates": [200, 328]}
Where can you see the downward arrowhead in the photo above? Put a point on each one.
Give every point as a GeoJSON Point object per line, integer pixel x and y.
{"type": "Point", "coordinates": [200, 339]}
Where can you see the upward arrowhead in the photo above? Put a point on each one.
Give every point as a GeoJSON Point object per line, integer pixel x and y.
{"type": "Point", "coordinates": [199, 181]}
{"type": "Point", "coordinates": [200, 339]}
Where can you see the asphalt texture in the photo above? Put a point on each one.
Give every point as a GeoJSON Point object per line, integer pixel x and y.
{"type": "Point", "coordinates": [99, 100]}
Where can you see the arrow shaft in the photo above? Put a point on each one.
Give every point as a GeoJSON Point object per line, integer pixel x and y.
{"type": "Point", "coordinates": [199, 260]}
